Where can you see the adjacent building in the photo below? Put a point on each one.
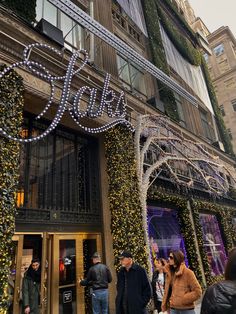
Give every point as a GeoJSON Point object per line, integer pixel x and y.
{"type": "Point", "coordinates": [222, 67]}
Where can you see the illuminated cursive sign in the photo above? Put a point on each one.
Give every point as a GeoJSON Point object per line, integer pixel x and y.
{"type": "Point", "coordinates": [110, 104]}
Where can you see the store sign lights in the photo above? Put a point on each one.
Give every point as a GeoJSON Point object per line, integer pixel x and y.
{"type": "Point", "coordinates": [110, 104]}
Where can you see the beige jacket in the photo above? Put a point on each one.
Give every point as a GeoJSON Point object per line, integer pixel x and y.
{"type": "Point", "coordinates": [185, 289]}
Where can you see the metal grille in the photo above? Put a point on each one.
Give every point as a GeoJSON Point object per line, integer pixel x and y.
{"type": "Point", "coordinates": [59, 178]}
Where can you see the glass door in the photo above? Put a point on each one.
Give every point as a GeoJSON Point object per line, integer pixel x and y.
{"type": "Point", "coordinates": [25, 248]}
{"type": "Point", "coordinates": [70, 261]}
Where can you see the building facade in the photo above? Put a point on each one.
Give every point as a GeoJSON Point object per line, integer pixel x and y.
{"type": "Point", "coordinates": [77, 190]}
{"type": "Point", "coordinates": [221, 65]}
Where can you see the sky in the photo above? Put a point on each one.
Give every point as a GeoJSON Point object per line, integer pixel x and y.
{"type": "Point", "coordinates": [216, 13]}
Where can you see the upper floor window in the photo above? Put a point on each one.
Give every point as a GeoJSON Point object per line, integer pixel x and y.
{"type": "Point", "coordinates": [230, 134]}
{"type": "Point", "coordinates": [222, 110]}
{"type": "Point", "coordinates": [180, 110]}
{"type": "Point", "coordinates": [206, 57]}
{"type": "Point", "coordinates": [131, 75]}
{"type": "Point", "coordinates": [218, 50]}
{"type": "Point", "coordinates": [207, 130]}
{"type": "Point", "coordinates": [72, 32]}
{"type": "Point", "coordinates": [233, 102]}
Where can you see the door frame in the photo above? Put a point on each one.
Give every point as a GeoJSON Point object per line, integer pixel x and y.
{"type": "Point", "coordinates": [78, 237]}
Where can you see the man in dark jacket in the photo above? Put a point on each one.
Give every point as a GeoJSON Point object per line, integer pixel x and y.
{"type": "Point", "coordinates": [133, 287]}
{"type": "Point", "coordinates": [220, 298]}
{"type": "Point", "coordinates": [98, 277]}
{"type": "Point", "coordinates": [31, 288]}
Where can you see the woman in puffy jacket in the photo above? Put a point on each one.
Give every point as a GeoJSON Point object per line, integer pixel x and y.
{"type": "Point", "coordinates": [181, 286]}
{"type": "Point", "coordinates": [220, 298]}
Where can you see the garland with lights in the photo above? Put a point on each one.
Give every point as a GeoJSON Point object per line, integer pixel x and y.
{"type": "Point", "coordinates": [158, 56]}
{"type": "Point", "coordinates": [26, 9]}
{"type": "Point", "coordinates": [187, 231]}
{"type": "Point", "coordinates": [125, 207]}
{"type": "Point", "coordinates": [224, 215]}
{"type": "Point", "coordinates": [11, 108]}
{"type": "Point", "coordinates": [153, 14]}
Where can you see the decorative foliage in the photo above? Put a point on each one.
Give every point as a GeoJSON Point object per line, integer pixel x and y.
{"type": "Point", "coordinates": [180, 204]}
{"type": "Point", "coordinates": [181, 42]}
{"type": "Point", "coordinates": [26, 9]}
{"type": "Point", "coordinates": [159, 149]}
{"type": "Point", "coordinates": [224, 215]}
{"type": "Point", "coordinates": [11, 108]}
{"type": "Point", "coordinates": [219, 119]}
{"type": "Point", "coordinates": [126, 212]}
{"type": "Point", "coordinates": [158, 55]}
{"type": "Point", "coordinates": [154, 14]}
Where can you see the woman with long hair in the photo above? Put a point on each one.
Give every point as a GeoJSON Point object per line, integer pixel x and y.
{"type": "Point", "coordinates": [220, 298]}
{"type": "Point", "coordinates": [181, 286]}
{"type": "Point", "coordinates": [158, 282]}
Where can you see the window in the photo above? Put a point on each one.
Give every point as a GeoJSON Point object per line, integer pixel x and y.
{"type": "Point", "coordinates": [180, 110]}
{"type": "Point", "coordinates": [164, 232]}
{"type": "Point", "coordinates": [58, 173]}
{"type": "Point", "coordinates": [206, 126]}
{"type": "Point", "coordinates": [233, 102]}
{"type": "Point", "coordinates": [218, 50]}
{"type": "Point", "coordinates": [222, 110]}
{"type": "Point", "coordinates": [230, 83]}
{"type": "Point", "coordinates": [131, 75]}
{"type": "Point", "coordinates": [213, 244]}
{"type": "Point", "coordinates": [230, 133]}
{"type": "Point", "coordinates": [73, 33]}
{"type": "Point", "coordinates": [206, 57]}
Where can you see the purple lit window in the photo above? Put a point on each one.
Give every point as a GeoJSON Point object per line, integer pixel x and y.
{"type": "Point", "coordinates": [164, 232]}
{"type": "Point", "coordinates": [213, 244]}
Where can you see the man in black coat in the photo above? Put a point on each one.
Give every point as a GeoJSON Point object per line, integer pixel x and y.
{"type": "Point", "coordinates": [98, 278]}
{"type": "Point", "coordinates": [133, 287]}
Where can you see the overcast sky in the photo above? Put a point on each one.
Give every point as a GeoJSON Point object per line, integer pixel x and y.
{"type": "Point", "coordinates": [216, 13]}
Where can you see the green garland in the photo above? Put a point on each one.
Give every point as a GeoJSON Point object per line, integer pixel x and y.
{"type": "Point", "coordinates": [11, 108]}
{"type": "Point", "coordinates": [219, 119]}
{"type": "Point", "coordinates": [181, 43]}
{"type": "Point", "coordinates": [181, 20]}
{"type": "Point", "coordinates": [126, 211]}
{"type": "Point", "coordinates": [159, 58]}
{"type": "Point", "coordinates": [187, 231]}
{"type": "Point", "coordinates": [223, 214]}
{"type": "Point", "coordinates": [153, 14]}
{"type": "Point", "coordinates": [26, 9]}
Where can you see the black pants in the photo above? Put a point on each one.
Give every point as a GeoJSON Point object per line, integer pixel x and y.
{"type": "Point", "coordinates": [158, 305]}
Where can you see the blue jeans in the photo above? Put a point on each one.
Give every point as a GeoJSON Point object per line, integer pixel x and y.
{"type": "Point", "coordinates": [100, 301]}
{"type": "Point", "coordinates": [172, 311]}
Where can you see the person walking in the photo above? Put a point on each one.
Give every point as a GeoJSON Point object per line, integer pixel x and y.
{"type": "Point", "coordinates": [98, 278]}
{"type": "Point", "coordinates": [158, 282]}
{"type": "Point", "coordinates": [31, 288]}
{"type": "Point", "coordinates": [133, 287]}
{"type": "Point", "coordinates": [220, 298]}
{"type": "Point", "coordinates": [181, 286]}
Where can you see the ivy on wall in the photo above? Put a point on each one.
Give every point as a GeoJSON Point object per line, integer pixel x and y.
{"type": "Point", "coordinates": [154, 14]}
{"type": "Point", "coordinates": [186, 228]}
{"type": "Point", "coordinates": [181, 42]}
{"type": "Point", "coordinates": [126, 212]}
{"type": "Point", "coordinates": [26, 9]}
{"type": "Point", "coordinates": [219, 119]}
{"type": "Point", "coordinates": [224, 216]}
{"type": "Point", "coordinates": [158, 56]}
{"type": "Point", "coordinates": [11, 108]}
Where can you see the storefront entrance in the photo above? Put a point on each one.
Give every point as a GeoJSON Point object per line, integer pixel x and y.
{"type": "Point", "coordinates": [65, 258]}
